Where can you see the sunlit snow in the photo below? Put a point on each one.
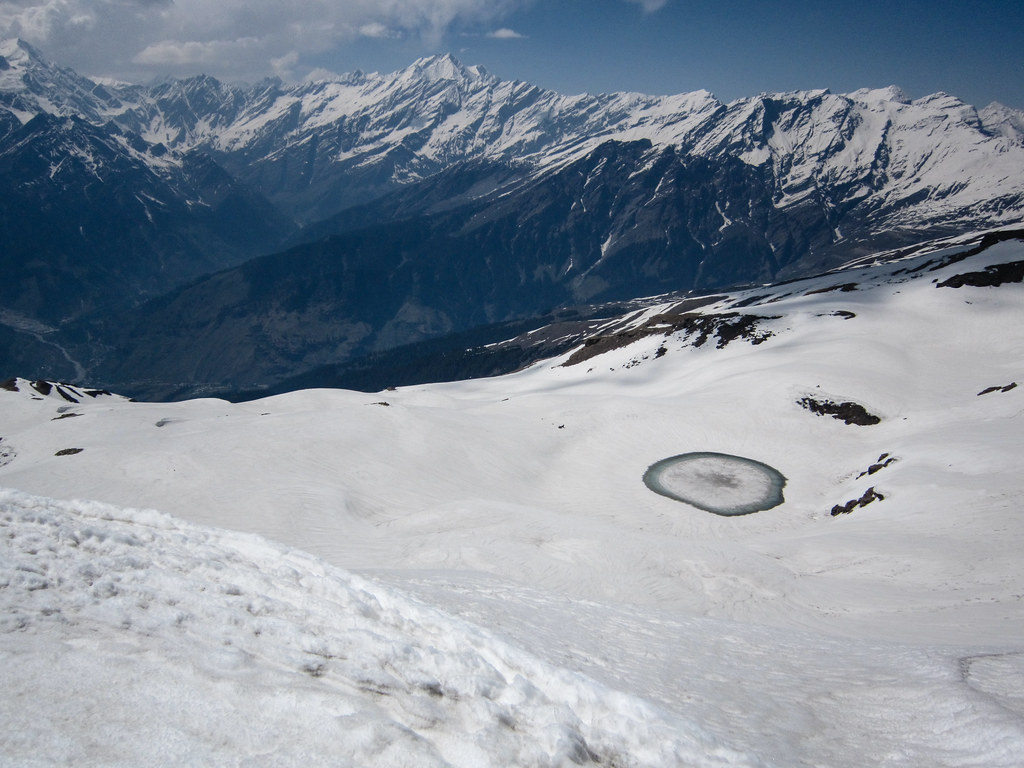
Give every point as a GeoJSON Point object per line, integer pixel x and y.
{"type": "Point", "coordinates": [473, 574]}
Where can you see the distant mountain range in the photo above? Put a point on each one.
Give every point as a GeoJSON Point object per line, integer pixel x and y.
{"type": "Point", "coordinates": [195, 236]}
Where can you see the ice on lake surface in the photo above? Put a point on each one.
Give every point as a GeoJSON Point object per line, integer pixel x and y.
{"type": "Point", "coordinates": [717, 482]}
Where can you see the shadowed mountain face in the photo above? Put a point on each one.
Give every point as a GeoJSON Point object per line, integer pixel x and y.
{"type": "Point", "coordinates": [702, 320]}
{"type": "Point", "coordinates": [595, 231]}
{"type": "Point", "coordinates": [91, 219]}
{"type": "Point", "coordinates": [410, 279]}
{"type": "Point", "coordinates": [452, 199]}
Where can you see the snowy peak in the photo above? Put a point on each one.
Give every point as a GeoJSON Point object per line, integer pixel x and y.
{"type": "Point", "coordinates": [19, 55]}
{"type": "Point", "coordinates": [444, 67]}
{"type": "Point", "coordinates": [30, 84]}
{"type": "Point", "coordinates": [183, 113]}
{"type": "Point", "coordinates": [893, 93]}
{"type": "Point", "coordinates": [925, 161]}
{"type": "Point", "coordinates": [1003, 121]}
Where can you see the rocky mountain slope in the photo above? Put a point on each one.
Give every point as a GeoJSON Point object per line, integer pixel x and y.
{"type": "Point", "coordinates": [709, 319]}
{"type": "Point", "coordinates": [93, 216]}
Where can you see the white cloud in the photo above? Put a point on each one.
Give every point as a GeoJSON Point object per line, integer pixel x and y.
{"type": "Point", "coordinates": [283, 65]}
{"type": "Point", "coordinates": [172, 54]}
{"type": "Point", "coordinates": [318, 74]}
{"type": "Point", "coordinates": [650, 6]}
{"type": "Point", "coordinates": [377, 30]}
{"type": "Point", "coordinates": [229, 38]}
{"type": "Point", "coordinates": [505, 34]}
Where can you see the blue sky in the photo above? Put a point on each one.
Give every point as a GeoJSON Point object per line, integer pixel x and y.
{"type": "Point", "coordinates": [731, 48]}
{"type": "Point", "coordinates": [974, 50]}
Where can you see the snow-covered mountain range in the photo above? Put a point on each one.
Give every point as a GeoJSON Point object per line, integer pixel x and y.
{"type": "Point", "coordinates": [436, 199]}
{"type": "Point", "coordinates": [919, 161]}
{"type": "Point", "coordinates": [475, 574]}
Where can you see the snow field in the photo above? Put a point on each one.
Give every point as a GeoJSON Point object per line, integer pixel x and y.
{"type": "Point", "coordinates": [888, 636]}
{"type": "Point", "coordinates": [214, 646]}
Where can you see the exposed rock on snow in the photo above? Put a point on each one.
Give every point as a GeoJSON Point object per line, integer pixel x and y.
{"type": "Point", "coordinates": [7, 453]}
{"type": "Point", "coordinates": [866, 498]}
{"type": "Point", "coordinates": [883, 461]}
{"type": "Point", "coordinates": [993, 276]}
{"type": "Point", "coordinates": [847, 411]}
{"type": "Point", "coordinates": [1006, 388]}
{"type": "Point", "coordinates": [695, 328]}
{"type": "Point", "coordinates": [71, 394]}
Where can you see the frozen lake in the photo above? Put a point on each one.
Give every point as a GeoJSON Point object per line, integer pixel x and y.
{"type": "Point", "coordinates": [717, 482]}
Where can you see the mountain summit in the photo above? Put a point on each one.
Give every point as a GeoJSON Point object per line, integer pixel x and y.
{"type": "Point", "coordinates": [447, 67]}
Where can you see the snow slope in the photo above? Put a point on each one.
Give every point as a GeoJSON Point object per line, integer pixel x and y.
{"type": "Point", "coordinates": [888, 635]}
{"type": "Point", "coordinates": [191, 646]}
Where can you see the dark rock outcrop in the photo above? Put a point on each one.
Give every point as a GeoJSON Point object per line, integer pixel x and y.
{"type": "Point", "coordinates": [848, 411]}
{"type": "Point", "coordinates": [868, 496]}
